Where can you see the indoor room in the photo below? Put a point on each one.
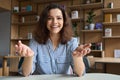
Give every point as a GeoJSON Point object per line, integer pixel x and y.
{"type": "Point", "coordinates": [59, 39]}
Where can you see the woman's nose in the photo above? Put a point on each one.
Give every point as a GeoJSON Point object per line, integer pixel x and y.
{"type": "Point", "coordinates": [54, 21]}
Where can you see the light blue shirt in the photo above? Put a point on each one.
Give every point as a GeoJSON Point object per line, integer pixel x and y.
{"type": "Point", "coordinates": [49, 61]}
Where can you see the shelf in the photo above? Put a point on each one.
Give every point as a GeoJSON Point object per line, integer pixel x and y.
{"type": "Point", "coordinates": [47, 1]}
{"type": "Point", "coordinates": [74, 7]}
{"type": "Point", "coordinates": [26, 13]}
{"type": "Point", "coordinates": [3, 10]}
{"type": "Point", "coordinates": [86, 6]}
{"type": "Point", "coordinates": [91, 30]}
{"type": "Point", "coordinates": [23, 39]}
{"type": "Point", "coordinates": [111, 10]}
{"type": "Point", "coordinates": [23, 0]}
{"type": "Point", "coordinates": [111, 23]}
{"type": "Point", "coordinates": [92, 6]}
{"type": "Point", "coordinates": [5, 5]}
{"type": "Point", "coordinates": [25, 24]}
{"type": "Point", "coordinates": [77, 20]}
{"type": "Point", "coordinates": [96, 51]}
{"type": "Point", "coordinates": [112, 37]}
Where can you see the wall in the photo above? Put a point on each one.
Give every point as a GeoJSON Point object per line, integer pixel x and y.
{"type": "Point", "coordinates": [4, 33]}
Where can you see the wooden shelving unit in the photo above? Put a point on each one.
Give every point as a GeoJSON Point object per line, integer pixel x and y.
{"type": "Point", "coordinates": [92, 30]}
{"type": "Point", "coordinates": [74, 7]}
{"type": "Point", "coordinates": [111, 23]}
{"type": "Point", "coordinates": [111, 10]}
{"type": "Point", "coordinates": [25, 13]}
{"type": "Point", "coordinates": [5, 5]}
{"type": "Point", "coordinates": [92, 6]}
{"type": "Point", "coordinates": [20, 29]}
{"type": "Point", "coordinates": [114, 25]}
{"type": "Point", "coordinates": [112, 37]}
{"type": "Point", "coordinates": [47, 1]}
{"type": "Point", "coordinates": [87, 35]}
{"type": "Point", "coordinates": [77, 20]}
{"type": "Point", "coordinates": [26, 23]}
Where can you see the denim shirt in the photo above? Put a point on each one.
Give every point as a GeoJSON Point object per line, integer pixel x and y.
{"type": "Point", "coordinates": [49, 61]}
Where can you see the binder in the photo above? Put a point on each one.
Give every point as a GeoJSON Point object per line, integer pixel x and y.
{"type": "Point", "coordinates": [108, 18]}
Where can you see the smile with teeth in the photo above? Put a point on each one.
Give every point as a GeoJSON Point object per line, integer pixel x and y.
{"type": "Point", "coordinates": [54, 26]}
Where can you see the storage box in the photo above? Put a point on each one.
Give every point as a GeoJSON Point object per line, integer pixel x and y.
{"type": "Point", "coordinates": [108, 18]}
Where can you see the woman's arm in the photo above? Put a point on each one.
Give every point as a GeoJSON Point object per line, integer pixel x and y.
{"type": "Point", "coordinates": [79, 66]}
{"type": "Point", "coordinates": [27, 66]}
{"type": "Point", "coordinates": [24, 51]}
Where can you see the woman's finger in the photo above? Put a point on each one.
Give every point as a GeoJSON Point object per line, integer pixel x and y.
{"type": "Point", "coordinates": [19, 42]}
{"type": "Point", "coordinates": [88, 50]}
{"type": "Point", "coordinates": [87, 45]}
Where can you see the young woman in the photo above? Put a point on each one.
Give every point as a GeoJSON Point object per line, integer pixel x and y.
{"type": "Point", "coordinates": [53, 50]}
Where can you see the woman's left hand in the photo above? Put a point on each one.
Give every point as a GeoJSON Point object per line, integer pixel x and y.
{"type": "Point", "coordinates": [82, 50]}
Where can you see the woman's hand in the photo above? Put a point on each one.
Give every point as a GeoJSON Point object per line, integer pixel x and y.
{"type": "Point", "coordinates": [23, 50]}
{"type": "Point", "coordinates": [82, 50]}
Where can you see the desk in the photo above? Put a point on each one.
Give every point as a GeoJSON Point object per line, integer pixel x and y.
{"type": "Point", "coordinates": [4, 64]}
{"type": "Point", "coordinates": [88, 76]}
{"type": "Point", "coordinates": [106, 60]}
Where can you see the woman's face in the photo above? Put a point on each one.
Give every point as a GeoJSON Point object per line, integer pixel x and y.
{"type": "Point", "coordinates": [55, 21]}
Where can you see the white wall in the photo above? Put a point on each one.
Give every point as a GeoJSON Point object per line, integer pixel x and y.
{"type": "Point", "coordinates": [4, 33]}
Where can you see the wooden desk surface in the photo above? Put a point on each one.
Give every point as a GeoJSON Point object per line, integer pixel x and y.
{"type": "Point", "coordinates": [10, 56]}
{"type": "Point", "coordinates": [88, 76]}
{"type": "Point", "coordinates": [5, 62]}
{"type": "Point", "coordinates": [107, 60]}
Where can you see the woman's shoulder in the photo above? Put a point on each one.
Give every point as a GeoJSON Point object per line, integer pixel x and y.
{"type": "Point", "coordinates": [73, 40]}
{"type": "Point", "coordinates": [33, 41]}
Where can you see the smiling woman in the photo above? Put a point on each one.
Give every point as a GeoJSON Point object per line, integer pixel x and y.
{"type": "Point", "coordinates": [53, 49]}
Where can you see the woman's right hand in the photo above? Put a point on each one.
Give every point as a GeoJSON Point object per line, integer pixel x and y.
{"type": "Point", "coordinates": [23, 50]}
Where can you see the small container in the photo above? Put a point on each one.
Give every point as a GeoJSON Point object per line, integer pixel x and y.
{"type": "Point", "coordinates": [74, 14]}
{"type": "Point", "coordinates": [37, 18]}
{"type": "Point", "coordinates": [108, 32]}
{"type": "Point", "coordinates": [23, 20]}
{"type": "Point", "coordinates": [87, 1]}
{"type": "Point", "coordinates": [29, 8]}
{"type": "Point", "coordinates": [110, 5]}
{"type": "Point", "coordinates": [15, 9]}
{"type": "Point", "coordinates": [29, 35]}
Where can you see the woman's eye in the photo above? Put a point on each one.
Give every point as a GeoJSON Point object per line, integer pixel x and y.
{"type": "Point", "coordinates": [49, 18]}
{"type": "Point", "coordinates": [59, 18]}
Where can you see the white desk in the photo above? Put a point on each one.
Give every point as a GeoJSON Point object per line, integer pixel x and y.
{"type": "Point", "coordinates": [88, 76]}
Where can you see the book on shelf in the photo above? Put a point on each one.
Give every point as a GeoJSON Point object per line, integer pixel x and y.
{"type": "Point", "coordinates": [108, 18]}
{"type": "Point", "coordinates": [118, 17]}
{"type": "Point", "coordinates": [117, 53]}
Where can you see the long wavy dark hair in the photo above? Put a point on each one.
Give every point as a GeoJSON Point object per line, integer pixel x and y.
{"type": "Point", "coordinates": [42, 34]}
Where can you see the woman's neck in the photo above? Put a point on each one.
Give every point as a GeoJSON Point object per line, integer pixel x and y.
{"type": "Point", "coordinates": [55, 38]}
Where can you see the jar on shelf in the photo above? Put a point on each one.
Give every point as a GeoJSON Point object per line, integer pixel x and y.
{"type": "Point", "coordinates": [74, 14]}
{"type": "Point", "coordinates": [15, 9]}
{"type": "Point", "coordinates": [108, 32]}
{"type": "Point", "coordinates": [88, 1]}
